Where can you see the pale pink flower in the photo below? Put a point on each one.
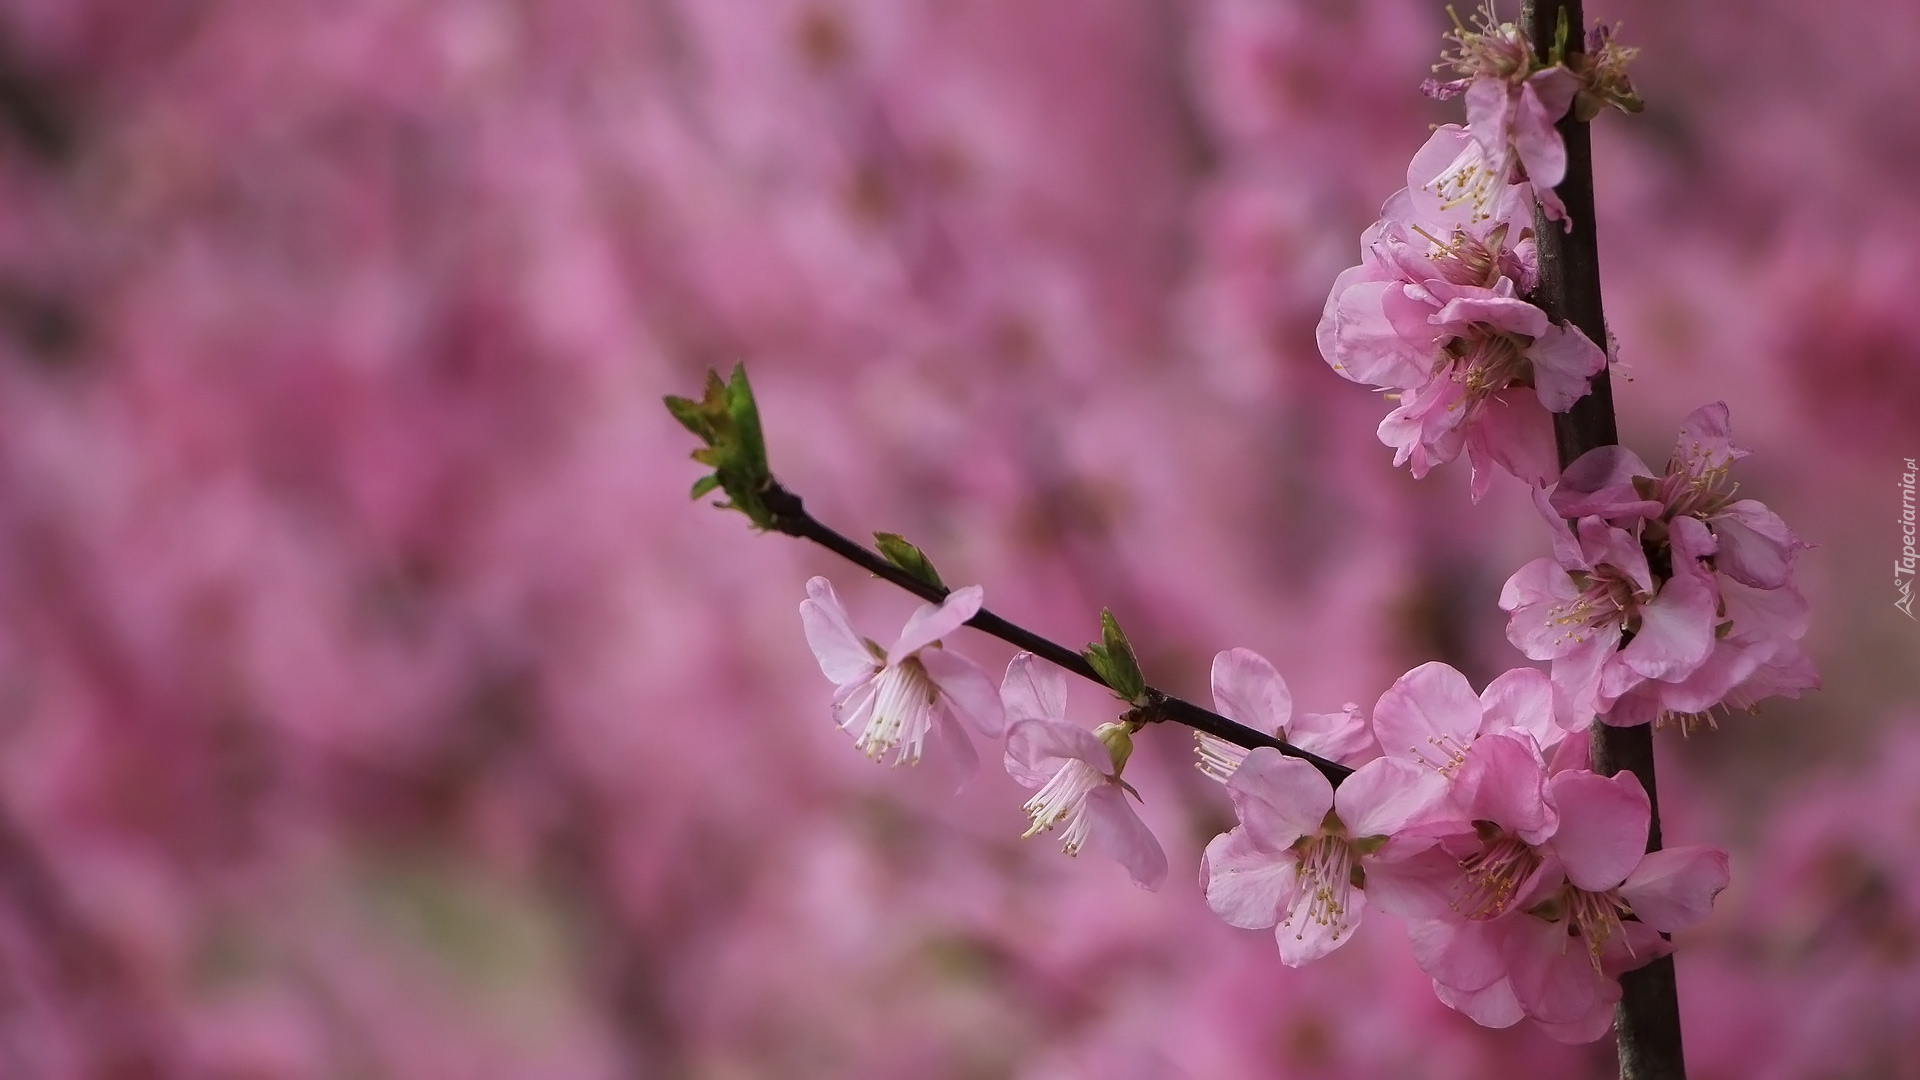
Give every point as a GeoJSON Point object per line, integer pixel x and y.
{"type": "Point", "coordinates": [1490, 749]}
{"type": "Point", "coordinates": [1511, 104]}
{"type": "Point", "coordinates": [893, 699]}
{"type": "Point", "coordinates": [1454, 221]}
{"type": "Point", "coordinates": [1514, 124]}
{"type": "Point", "coordinates": [1739, 550]}
{"type": "Point", "coordinates": [1076, 772]}
{"type": "Point", "coordinates": [1600, 846]}
{"type": "Point", "coordinates": [1752, 544]}
{"type": "Point", "coordinates": [1485, 344]}
{"type": "Point", "coordinates": [1247, 690]}
{"type": "Point", "coordinates": [1575, 608]}
{"type": "Point", "coordinates": [1590, 905]}
{"type": "Point", "coordinates": [1432, 717]}
{"type": "Point", "coordinates": [1462, 358]}
{"type": "Point", "coordinates": [1293, 865]}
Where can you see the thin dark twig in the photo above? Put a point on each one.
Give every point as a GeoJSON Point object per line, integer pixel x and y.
{"type": "Point", "coordinates": [791, 517]}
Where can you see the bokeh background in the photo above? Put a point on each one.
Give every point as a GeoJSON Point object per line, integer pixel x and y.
{"type": "Point", "coordinates": [374, 704]}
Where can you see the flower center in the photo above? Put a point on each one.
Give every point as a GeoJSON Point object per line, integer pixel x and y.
{"type": "Point", "coordinates": [1448, 751]}
{"type": "Point", "coordinates": [1464, 260]}
{"type": "Point", "coordinates": [1607, 598]}
{"type": "Point", "coordinates": [1494, 874]}
{"type": "Point", "coordinates": [903, 707]}
{"type": "Point", "coordinates": [1217, 757]}
{"type": "Point", "coordinates": [1064, 796]}
{"type": "Point", "coordinates": [1595, 917]}
{"type": "Point", "coordinates": [1326, 880]}
{"type": "Point", "coordinates": [1695, 484]}
{"type": "Point", "coordinates": [1489, 49]}
{"type": "Point", "coordinates": [1493, 361]}
{"type": "Point", "coordinates": [1470, 181]}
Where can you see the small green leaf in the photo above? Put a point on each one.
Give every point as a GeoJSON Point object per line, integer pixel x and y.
{"type": "Point", "coordinates": [746, 419]}
{"type": "Point", "coordinates": [728, 422]}
{"type": "Point", "coordinates": [1113, 660]}
{"type": "Point", "coordinates": [907, 557]}
{"type": "Point", "coordinates": [687, 411]}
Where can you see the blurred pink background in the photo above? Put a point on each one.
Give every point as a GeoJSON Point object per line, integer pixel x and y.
{"type": "Point", "coordinates": [374, 704]}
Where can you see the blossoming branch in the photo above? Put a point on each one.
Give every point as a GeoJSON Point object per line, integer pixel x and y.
{"type": "Point", "coordinates": [1502, 823]}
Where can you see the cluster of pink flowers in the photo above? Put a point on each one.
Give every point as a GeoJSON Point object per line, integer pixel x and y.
{"type": "Point", "coordinates": [1482, 825]}
{"type": "Point", "coordinates": [1667, 598]}
{"type": "Point", "coordinates": [1524, 875]}
{"type": "Point", "coordinates": [1473, 816]}
{"type": "Point", "coordinates": [1433, 315]}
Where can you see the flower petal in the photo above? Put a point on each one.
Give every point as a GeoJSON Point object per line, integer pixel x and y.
{"type": "Point", "coordinates": [967, 690]}
{"type": "Point", "coordinates": [1118, 833]}
{"type": "Point", "coordinates": [1674, 888]}
{"type": "Point", "coordinates": [932, 622]}
{"type": "Point", "coordinates": [1521, 700]}
{"type": "Point", "coordinates": [1603, 827]}
{"type": "Point", "coordinates": [1756, 547]}
{"type": "Point", "coordinates": [1309, 932]}
{"type": "Point", "coordinates": [1038, 749]}
{"type": "Point", "coordinates": [1386, 795]}
{"type": "Point", "coordinates": [1532, 597]}
{"type": "Point", "coordinates": [1576, 678]}
{"type": "Point", "coordinates": [1676, 630]}
{"type": "Point", "coordinates": [1563, 362]}
{"type": "Point", "coordinates": [1553, 975]}
{"type": "Point", "coordinates": [1279, 799]}
{"type": "Point", "coordinates": [1514, 431]}
{"type": "Point", "coordinates": [1600, 484]}
{"type": "Point", "coordinates": [1247, 886]}
{"type": "Point", "coordinates": [1248, 690]}
{"type": "Point", "coordinates": [1367, 346]}
{"type": "Point", "coordinates": [1419, 883]}
{"type": "Point", "coordinates": [954, 760]}
{"type": "Point", "coordinates": [1593, 1026]}
{"type": "Point", "coordinates": [843, 656]}
{"type": "Point", "coordinates": [1339, 736]}
{"type": "Point", "coordinates": [1706, 441]}
{"type": "Point", "coordinates": [1542, 99]}
{"type": "Point", "coordinates": [1493, 1007]}
{"type": "Point", "coordinates": [1504, 780]}
{"type": "Point", "coordinates": [1460, 954]}
{"type": "Point", "coordinates": [1427, 715]}
{"type": "Point", "coordinates": [1033, 689]}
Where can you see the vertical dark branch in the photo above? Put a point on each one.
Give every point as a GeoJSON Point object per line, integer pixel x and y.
{"type": "Point", "coordinates": [1646, 1023]}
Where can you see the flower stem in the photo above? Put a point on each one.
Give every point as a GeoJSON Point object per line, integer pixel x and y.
{"type": "Point", "coordinates": [1646, 1022]}
{"type": "Point", "coordinates": [791, 517]}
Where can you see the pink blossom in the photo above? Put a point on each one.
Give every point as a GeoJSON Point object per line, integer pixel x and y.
{"type": "Point", "coordinates": [1752, 544]}
{"type": "Point", "coordinates": [1431, 715]}
{"type": "Point", "coordinates": [1739, 551]}
{"type": "Point", "coordinates": [1514, 124]}
{"type": "Point", "coordinates": [1247, 690]}
{"type": "Point", "coordinates": [1590, 881]}
{"type": "Point", "coordinates": [1475, 350]}
{"type": "Point", "coordinates": [1432, 312]}
{"type": "Point", "coordinates": [1490, 750]}
{"type": "Point", "coordinates": [1292, 865]}
{"type": "Point", "coordinates": [892, 699]}
{"type": "Point", "coordinates": [1076, 772]}
{"type": "Point", "coordinates": [1512, 103]}
{"type": "Point", "coordinates": [1455, 221]}
{"type": "Point", "coordinates": [1575, 608]}
{"type": "Point", "coordinates": [1600, 847]}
